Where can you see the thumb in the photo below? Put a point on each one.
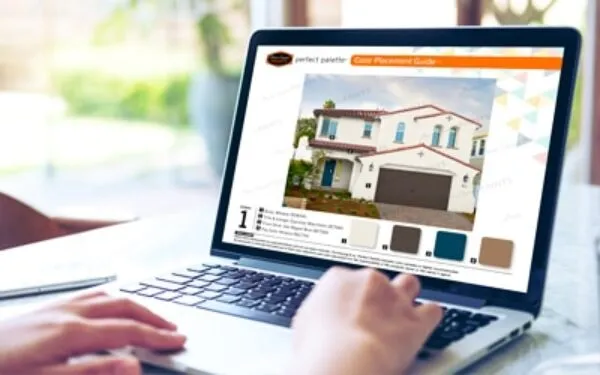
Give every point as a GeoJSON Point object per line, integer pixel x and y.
{"type": "Point", "coordinates": [109, 365]}
{"type": "Point", "coordinates": [430, 316]}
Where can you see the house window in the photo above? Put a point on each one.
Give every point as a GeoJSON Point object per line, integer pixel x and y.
{"type": "Point", "coordinates": [328, 128]}
{"type": "Point", "coordinates": [474, 148]}
{"type": "Point", "coordinates": [400, 132]}
{"type": "Point", "coordinates": [452, 138]}
{"type": "Point", "coordinates": [481, 147]}
{"type": "Point", "coordinates": [437, 133]}
{"type": "Point", "coordinates": [368, 129]}
{"type": "Point", "coordinates": [325, 127]}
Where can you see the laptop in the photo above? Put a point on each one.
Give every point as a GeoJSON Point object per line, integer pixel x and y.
{"type": "Point", "coordinates": [434, 152]}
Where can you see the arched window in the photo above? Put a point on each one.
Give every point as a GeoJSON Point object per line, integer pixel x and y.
{"type": "Point", "coordinates": [400, 128]}
{"type": "Point", "coordinates": [437, 133]}
{"type": "Point", "coordinates": [452, 138]}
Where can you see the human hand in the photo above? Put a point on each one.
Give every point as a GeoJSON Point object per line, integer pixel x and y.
{"type": "Point", "coordinates": [358, 322]}
{"type": "Point", "coordinates": [42, 342]}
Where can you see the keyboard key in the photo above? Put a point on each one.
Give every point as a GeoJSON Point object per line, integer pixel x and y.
{"type": "Point", "coordinates": [216, 287]}
{"type": "Point", "coordinates": [187, 273]}
{"type": "Point", "coordinates": [255, 295]}
{"type": "Point", "coordinates": [423, 355]}
{"type": "Point", "coordinates": [437, 344]}
{"type": "Point", "coordinates": [234, 275]}
{"type": "Point", "coordinates": [272, 282]}
{"type": "Point", "coordinates": [236, 310]}
{"type": "Point", "coordinates": [199, 269]}
{"type": "Point", "coordinates": [164, 285]}
{"type": "Point", "coordinates": [175, 279]}
{"type": "Point", "coordinates": [484, 317]}
{"type": "Point", "coordinates": [274, 300]}
{"type": "Point", "coordinates": [229, 268]}
{"type": "Point", "coordinates": [226, 281]}
{"type": "Point", "coordinates": [167, 296]}
{"type": "Point", "coordinates": [452, 336]}
{"type": "Point", "coordinates": [267, 307]}
{"type": "Point", "coordinates": [149, 292]}
{"type": "Point", "coordinates": [228, 298]}
{"type": "Point", "coordinates": [216, 272]}
{"type": "Point", "coordinates": [198, 283]}
{"type": "Point", "coordinates": [209, 295]}
{"type": "Point", "coordinates": [209, 278]}
{"type": "Point", "coordinates": [287, 313]}
{"type": "Point", "coordinates": [134, 288]}
{"type": "Point", "coordinates": [263, 290]}
{"type": "Point", "coordinates": [188, 300]}
{"type": "Point", "coordinates": [247, 303]}
{"type": "Point", "coordinates": [245, 285]}
{"type": "Point", "coordinates": [235, 291]}
{"type": "Point", "coordinates": [282, 294]}
{"type": "Point", "coordinates": [190, 290]}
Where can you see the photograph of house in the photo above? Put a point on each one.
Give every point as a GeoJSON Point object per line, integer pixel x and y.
{"type": "Point", "coordinates": [407, 149]}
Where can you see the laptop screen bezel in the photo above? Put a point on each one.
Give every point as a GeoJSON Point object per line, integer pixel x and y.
{"type": "Point", "coordinates": [558, 37]}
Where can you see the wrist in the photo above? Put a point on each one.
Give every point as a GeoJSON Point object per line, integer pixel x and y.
{"type": "Point", "coordinates": [357, 353]}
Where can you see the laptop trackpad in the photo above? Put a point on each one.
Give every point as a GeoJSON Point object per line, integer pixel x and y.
{"type": "Point", "coordinates": [220, 344]}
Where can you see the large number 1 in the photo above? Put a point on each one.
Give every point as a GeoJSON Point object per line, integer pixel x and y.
{"type": "Point", "coordinates": [244, 216]}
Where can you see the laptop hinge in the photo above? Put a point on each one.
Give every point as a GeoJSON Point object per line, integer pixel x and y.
{"type": "Point", "coordinates": [453, 299]}
{"type": "Point", "coordinates": [286, 268]}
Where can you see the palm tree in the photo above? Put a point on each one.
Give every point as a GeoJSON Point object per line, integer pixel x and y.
{"type": "Point", "coordinates": [329, 104]}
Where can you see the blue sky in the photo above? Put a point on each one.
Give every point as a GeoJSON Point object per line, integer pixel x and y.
{"type": "Point", "coordinates": [471, 97]}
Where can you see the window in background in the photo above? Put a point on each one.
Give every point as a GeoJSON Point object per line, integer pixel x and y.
{"type": "Point", "coordinates": [435, 137]}
{"type": "Point", "coordinates": [550, 12]}
{"type": "Point", "coordinates": [452, 137]}
{"type": "Point", "coordinates": [368, 129]}
{"type": "Point", "coordinates": [106, 103]}
{"type": "Point", "coordinates": [400, 128]}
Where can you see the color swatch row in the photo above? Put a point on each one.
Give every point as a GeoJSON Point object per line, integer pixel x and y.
{"type": "Point", "coordinates": [494, 252]}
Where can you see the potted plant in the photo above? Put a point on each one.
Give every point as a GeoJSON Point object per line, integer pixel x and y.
{"type": "Point", "coordinates": [212, 91]}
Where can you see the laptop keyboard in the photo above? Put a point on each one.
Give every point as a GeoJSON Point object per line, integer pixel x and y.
{"type": "Point", "coordinates": [273, 299]}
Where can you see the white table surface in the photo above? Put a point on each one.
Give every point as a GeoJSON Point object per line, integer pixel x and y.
{"type": "Point", "coordinates": [567, 326]}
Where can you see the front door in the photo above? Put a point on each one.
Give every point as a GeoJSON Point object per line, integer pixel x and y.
{"type": "Point", "coordinates": [328, 172]}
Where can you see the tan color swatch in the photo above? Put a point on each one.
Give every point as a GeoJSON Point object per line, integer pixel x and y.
{"type": "Point", "coordinates": [496, 252]}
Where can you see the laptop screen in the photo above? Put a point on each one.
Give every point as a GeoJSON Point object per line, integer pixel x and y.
{"type": "Point", "coordinates": [428, 161]}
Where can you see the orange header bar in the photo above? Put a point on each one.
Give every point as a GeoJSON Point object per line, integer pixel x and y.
{"type": "Point", "coordinates": [479, 62]}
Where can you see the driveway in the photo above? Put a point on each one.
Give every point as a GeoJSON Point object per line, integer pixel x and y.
{"type": "Point", "coordinates": [424, 216]}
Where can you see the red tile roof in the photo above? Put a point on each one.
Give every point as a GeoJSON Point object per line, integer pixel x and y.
{"type": "Point", "coordinates": [449, 113]}
{"type": "Point", "coordinates": [368, 115]}
{"type": "Point", "coordinates": [406, 148]}
{"type": "Point", "coordinates": [340, 146]}
{"type": "Point", "coordinates": [374, 115]}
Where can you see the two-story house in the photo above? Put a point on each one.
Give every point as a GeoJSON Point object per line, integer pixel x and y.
{"type": "Point", "coordinates": [418, 156]}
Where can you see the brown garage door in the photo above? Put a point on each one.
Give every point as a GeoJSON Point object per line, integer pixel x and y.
{"type": "Point", "coordinates": [413, 189]}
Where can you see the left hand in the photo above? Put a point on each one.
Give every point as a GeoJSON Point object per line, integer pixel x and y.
{"type": "Point", "coordinates": [42, 342]}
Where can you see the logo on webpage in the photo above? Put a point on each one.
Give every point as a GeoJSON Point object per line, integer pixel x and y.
{"type": "Point", "coordinates": [280, 58]}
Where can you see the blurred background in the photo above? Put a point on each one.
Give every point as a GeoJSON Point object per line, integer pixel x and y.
{"type": "Point", "coordinates": [123, 106]}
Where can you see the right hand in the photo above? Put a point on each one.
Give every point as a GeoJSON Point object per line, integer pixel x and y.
{"type": "Point", "coordinates": [358, 322]}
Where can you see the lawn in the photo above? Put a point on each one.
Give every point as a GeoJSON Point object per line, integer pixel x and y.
{"type": "Point", "coordinates": [334, 202]}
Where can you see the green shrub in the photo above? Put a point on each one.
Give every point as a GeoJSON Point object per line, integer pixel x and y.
{"type": "Point", "coordinates": [161, 99]}
{"type": "Point", "coordinates": [298, 171]}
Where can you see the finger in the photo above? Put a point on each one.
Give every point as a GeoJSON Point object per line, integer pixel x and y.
{"type": "Point", "coordinates": [89, 295]}
{"type": "Point", "coordinates": [110, 365]}
{"type": "Point", "coordinates": [111, 307]}
{"type": "Point", "coordinates": [429, 315]}
{"type": "Point", "coordinates": [408, 285]}
{"type": "Point", "coordinates": [105, 334]}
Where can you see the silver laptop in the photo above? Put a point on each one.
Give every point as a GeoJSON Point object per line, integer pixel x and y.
{"type": "Point", "coordinates": [435, 152]}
